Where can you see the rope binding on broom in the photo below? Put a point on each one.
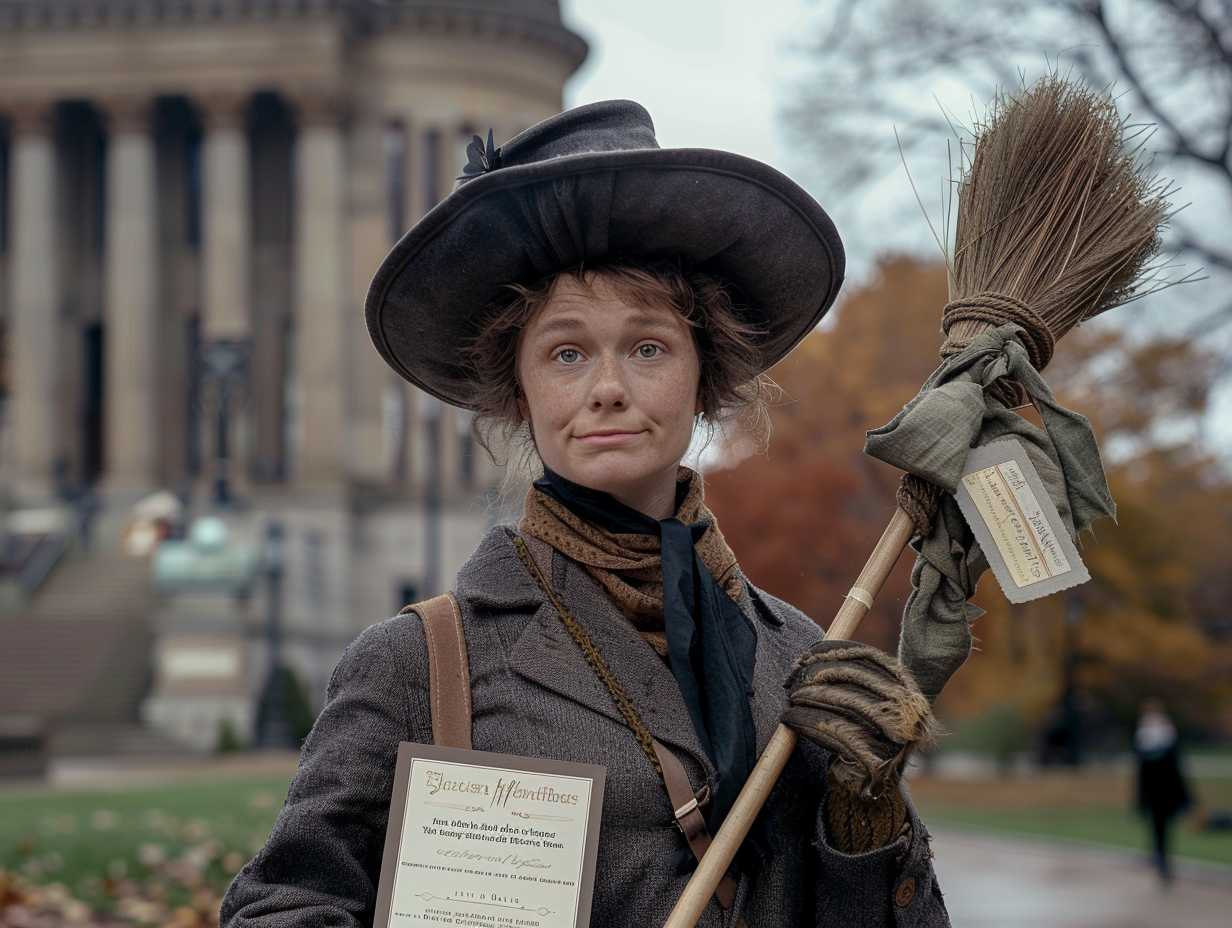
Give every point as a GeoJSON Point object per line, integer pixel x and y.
{"type": "Point", "coordinates": [997, 309]}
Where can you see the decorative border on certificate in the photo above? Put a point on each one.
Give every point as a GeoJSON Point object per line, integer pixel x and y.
{"type": "Point", "coordinates": [1016, 523]}
{"type": "Point", "coordinates": [489, 841]}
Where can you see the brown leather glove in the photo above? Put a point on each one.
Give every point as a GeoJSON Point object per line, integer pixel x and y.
{"type": "Point", "coordinates": [863, 706]}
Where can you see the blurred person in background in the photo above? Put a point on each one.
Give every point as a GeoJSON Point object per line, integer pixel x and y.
{"type": "Point", "coordinates": [1162, 791]}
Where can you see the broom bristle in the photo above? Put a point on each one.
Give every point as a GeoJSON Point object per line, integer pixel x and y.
{"type": "Point", "coordinates": [1055, 211]}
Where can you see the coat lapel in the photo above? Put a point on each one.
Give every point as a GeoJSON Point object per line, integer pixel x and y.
{"type": "Point", "coordinates": [546, 654]}
{"type": "Point", "coordinates": [771, 667]}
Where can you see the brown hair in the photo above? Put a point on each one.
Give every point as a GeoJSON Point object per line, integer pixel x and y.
{"type": "Point", "coordinates": [731, 384]}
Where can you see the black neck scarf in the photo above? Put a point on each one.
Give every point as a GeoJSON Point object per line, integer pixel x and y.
{"type": "Point", "coordinates": [711, 644]}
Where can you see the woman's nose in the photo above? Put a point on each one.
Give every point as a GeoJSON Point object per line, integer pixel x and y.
{"type": "Point", "coordinates": [608, 387]}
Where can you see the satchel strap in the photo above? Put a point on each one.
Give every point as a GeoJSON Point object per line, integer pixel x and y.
{"type": "Point", "coordinates": [686, 806]}
{"type": "Point", "coordinates": [449, 677]}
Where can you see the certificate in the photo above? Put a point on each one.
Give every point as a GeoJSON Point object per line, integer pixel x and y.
{"type": "Point", "coordinates": [489, 841]}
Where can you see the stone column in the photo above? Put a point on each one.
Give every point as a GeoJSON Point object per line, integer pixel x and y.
{"type": "Point", "coordinates": [449, 166]}
{"type": "Point", "coordinates": [35, 300]}
{"type": "Point", "coordinates": [488, 476]}
{"type": "Point", "coordinates": [225, 198]}
{"type": "Point", "coordinates": [322, 314]}
{"type": "Point", "coordinates": [226, 286]}
{"type": "Point", "coordinates": [131, 274]}
{"type": "Point", "coordinates": [368, 242]}
{"type": "Point", "coordinates": [425, 143]}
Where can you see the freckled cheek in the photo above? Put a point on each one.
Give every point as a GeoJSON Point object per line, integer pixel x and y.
{"type": "Point", "coordinates": [550, 405]}
{"type": "Point", "coordinates": [675, 394]}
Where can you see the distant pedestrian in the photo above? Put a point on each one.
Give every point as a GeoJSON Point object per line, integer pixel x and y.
{"type": "Point", "coordinates": [1162, 791]}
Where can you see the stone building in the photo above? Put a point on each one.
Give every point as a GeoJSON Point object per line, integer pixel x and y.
{"type": "Point", "coordinates": [194, 195]}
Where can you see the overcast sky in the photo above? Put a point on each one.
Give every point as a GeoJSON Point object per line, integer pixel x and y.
{"type": "Point", "coordinates": [706, 69]}
{"type": "Point", "coordinates": [713, 74]}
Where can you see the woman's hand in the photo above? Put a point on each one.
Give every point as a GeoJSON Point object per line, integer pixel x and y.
{"type": "Point", "coordinates": [863, 706]}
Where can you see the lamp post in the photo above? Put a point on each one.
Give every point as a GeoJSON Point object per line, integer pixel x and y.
{"type": "Point", "coordinates": [7, 541]}
{"type": "Point", "coordinates": [6, 492]}
{"type": "Point", "coordinates": [273, 727]}
{"type": "Point", "coordinates": [431, 409]}
{"type": "Point", "coordinates": [226, 361]}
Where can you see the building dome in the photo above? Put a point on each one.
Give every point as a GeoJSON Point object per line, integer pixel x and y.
{"type": "Point", "coordinates": [533, 20]}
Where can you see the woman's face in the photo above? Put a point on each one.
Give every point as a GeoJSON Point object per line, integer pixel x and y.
{"type": "Point", "coordinates": [592, 363]}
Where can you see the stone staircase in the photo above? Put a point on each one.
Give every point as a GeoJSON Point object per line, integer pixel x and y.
{"type": "Point", "coordinates": [110, 739]}
{"type": "Point", "coordinates": [102, 584]}
{"type": "Point", "coordinates": [75, 662]}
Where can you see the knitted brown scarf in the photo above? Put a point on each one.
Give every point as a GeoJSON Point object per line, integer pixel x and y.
{"type": "Point", "coordinates": [628, 566]}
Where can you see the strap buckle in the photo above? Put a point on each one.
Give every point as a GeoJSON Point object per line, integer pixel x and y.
{"type": "Point", "coordinates": [693, 805]}
{"type": "Point", "coordinates": [686, 809]}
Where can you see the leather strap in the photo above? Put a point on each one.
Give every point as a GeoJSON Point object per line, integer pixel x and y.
{"type": "Point", "coordinates": [450, 695]}
{"type": "Point", "coordinates": [686, 805]}
{"type": "Point", "coordinates": [449, 676]}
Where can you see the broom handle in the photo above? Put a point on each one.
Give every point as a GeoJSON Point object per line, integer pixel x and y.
{"type": "Point", "coordinates": [739, 820]}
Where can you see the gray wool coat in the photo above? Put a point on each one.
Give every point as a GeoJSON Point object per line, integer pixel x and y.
{"type": "Point", "coordinates": [534, 694]}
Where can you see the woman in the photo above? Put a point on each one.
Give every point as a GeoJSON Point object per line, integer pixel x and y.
{"type": "Point", "coordinates": [595, 296]}
{"type": "Point", "coordinates": [1162, 791]}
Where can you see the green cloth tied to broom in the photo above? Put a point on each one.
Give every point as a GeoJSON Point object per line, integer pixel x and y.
{"type": "Point", "coordinates": [956, 410]}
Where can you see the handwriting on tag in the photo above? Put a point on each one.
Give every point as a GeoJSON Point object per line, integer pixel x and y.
{"type": "Point", "coordinates": [1017, 524]}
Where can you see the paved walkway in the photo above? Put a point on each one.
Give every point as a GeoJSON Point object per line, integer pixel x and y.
{"type": "Point", "coordinates": [1003, 883]}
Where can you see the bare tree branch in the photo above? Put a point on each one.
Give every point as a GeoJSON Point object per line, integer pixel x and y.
{"type": "Point", "coordinates": [1210, 322]}
{"type": "Point", "coordinates": [1183, 144]}
{"type": "Point", "coordinates": [876, 64]}
{"type": "Point", "coordinates": [1207, 253]}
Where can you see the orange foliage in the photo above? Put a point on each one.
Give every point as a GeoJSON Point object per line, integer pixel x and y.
{"type": "Point", "coordinates": [821, 503]}
{"type": "Point", "coordinates": [804, 516]}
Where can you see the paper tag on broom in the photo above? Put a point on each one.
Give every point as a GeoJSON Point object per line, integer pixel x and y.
{"type": "Point", "coordinates": [1016, 524]}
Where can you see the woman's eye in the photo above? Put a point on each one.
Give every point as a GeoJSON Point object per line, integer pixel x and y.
{"type": "Point", "coordinates": [642, 350]}
{"type": "Point", "coordinates": [566, 351]}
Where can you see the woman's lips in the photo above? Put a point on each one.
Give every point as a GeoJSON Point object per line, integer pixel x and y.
{"type": "Point", "coordinates": [616, 438]}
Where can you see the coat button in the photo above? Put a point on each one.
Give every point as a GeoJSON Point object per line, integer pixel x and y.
{"type": "Point", "coordinates": [905, 893]}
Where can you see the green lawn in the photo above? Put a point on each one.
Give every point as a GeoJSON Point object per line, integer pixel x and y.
{"type": "Point", "coordinates": [1094, 809]}
{"type": "Point", "coordinates": [1093, 826]}
{"type": "Point", "coordinates": [142, 851]}
{"type": "Point", "coordinates": [163, 855]}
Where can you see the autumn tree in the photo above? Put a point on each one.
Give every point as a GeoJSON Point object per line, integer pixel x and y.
{"type": "Point", "coordinates": [820, 503]}
{"type": "Point", "coordinates": [804, 516]}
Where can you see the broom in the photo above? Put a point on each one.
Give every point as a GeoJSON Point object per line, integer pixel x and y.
{"type": "Point", "coordinates": [1057, 221]}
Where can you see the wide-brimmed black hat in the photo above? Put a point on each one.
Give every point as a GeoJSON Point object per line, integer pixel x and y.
{"type": "Point", "coordinates": [591, 185]}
